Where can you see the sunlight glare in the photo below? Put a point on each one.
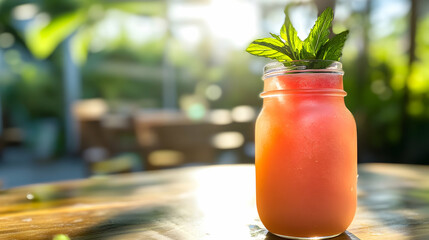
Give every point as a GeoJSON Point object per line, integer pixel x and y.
{"type": "Point", "coordinates": [243, 114]}
{"type": "Point", "coordinates": [225, 204]}
{"type": "Point", "coordinates": [228, 140]}
{"type": "Point", "coordinates": [233, 21]}
{"type": "Point", "coordinates": [220, 116]}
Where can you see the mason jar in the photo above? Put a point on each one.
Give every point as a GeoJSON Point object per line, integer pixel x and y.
{"type": "Point", "coordinates": [306, 151]}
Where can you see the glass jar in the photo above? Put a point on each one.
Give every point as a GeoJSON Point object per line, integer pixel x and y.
{"type": "Point", "coordinates": [306, 151]}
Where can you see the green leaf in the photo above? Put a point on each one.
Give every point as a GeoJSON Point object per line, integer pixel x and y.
{"type": "Point", "coordinates": [80, 44]}
{"type": "Point", "coordinates": [332, 49]}
{"type": "Point", "coordinates": [304, 54]}
{"type": "Point", "coordinates": [277, 37]}
{"type": "Point", "coordinates": [270, 48]}
{"type": "Point", "coordinates": [319, 34]}
{"type": "Point", "coordinates": [43, 39]}
{"type": "Point", "coordinates": [289, 34]}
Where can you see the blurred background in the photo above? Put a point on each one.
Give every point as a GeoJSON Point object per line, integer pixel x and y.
{"type": "Point", "coordinates": [93, 87]}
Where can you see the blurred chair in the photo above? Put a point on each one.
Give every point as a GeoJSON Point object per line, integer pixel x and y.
{"type": "Point", "coordinates": [237, 137]}
{"type": "Point", "coordinates": [144, 121]}
{"type": "Point", "coordinates": [119, 133]}
{"type": "Point", "coordinates": [89, 115]}
{"type": "Point", "coordinates": [179, 144]}
{"type": "Point", "coordinates": [90, 109]}
{"type": "Point", "coordinates": [236, 129]}
{"type": "Point", "coordinates": [104, 135]}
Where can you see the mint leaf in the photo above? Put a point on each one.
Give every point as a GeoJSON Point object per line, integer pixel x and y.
{"type": "Point", "coordinates": [319, 33]}
{"type": "Point", "coordinates": [289, 34]}
{"type": "Point", "coordinates": [287, 48]}
{"type": "Point", "coordinates": [277, 37]}
{"type": "Point", "coordinates": [305, 55]}
{"type": "Point", "coordinates": [332, 49]}
{"type": "Point", "coordinates": [270, 48]}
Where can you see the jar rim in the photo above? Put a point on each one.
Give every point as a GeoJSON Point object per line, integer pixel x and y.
{"type": "Point", "coordinates": [302, 66]}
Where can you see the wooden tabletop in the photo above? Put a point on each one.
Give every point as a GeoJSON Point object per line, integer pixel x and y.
{"type": "Point", "coordinates": [216, 202]}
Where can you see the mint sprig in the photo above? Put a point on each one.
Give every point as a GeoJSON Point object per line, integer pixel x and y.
{"type": "Point", "coordinates": [288, 46]}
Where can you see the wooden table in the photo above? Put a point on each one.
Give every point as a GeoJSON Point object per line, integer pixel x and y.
{"type": "Point", "coordinates": [216, 202]}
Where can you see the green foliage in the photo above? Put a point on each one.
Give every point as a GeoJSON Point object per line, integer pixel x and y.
{"type": "Point", "coordinates": [288, 46]}
{"type": "Point", "coordinates": [71, 18]}
{"type": "Point", "coordinates": [42, 40]}
{"type": "Point", "coordinates": [35, 90]}
{"type": "Point", "coordinates": [80, 45]}
{"type": "Point", "coordinates": [235, 93]}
